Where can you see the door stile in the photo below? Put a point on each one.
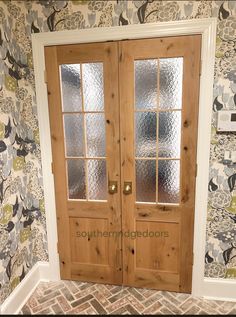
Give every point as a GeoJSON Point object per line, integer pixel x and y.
{"type": "Point", "coordinates": [56, 126]}
{"type": "Point", "coordinates": [126, 82]}
{"type": "Point", "coordinates": [191, 77]}
{"type": "Point", "coordinates": [111, 91]}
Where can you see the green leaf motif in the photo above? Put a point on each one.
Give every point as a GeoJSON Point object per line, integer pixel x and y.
{"type": "Point", "coordinates": [230, 273]}
{"type": "Point", "coordinates": [2, 130]}
{"type": "Point", "coordinates": [10, 83]}
{"type": "Point", "coordinates": [79, 2]}
{"type": "Point", "coordinates": [42, 205]}
{"type": "Point", "coordinates": [24, 234]}
{"type": "Point", "coordinates": [30, 60]}
{"type": "Point", "coordinates": [232, 207]}
{"type": "Point", "coordinates": [18, 163]}
{"type": "Point", "coordinates": [6, 214]}
{"type": "Point", "coordinates": [15, 282]}
{"type": "Point", "coordinates": [36, 136]}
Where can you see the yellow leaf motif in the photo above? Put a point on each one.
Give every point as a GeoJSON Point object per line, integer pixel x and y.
{"type": "Point", "coordinates": [2, 130]}
{"type": "Point", "coordinates": [15, 282]}
{"type": "Point", "coordinates": [219, 54]}
{"type": "Point", "coordinates": [230, 273]}
{"type": "Point", "coordinates": [6, 214]}
{"type": "Point", "coordinates": [42, 205]}
{"type": "Point", "coordinates": [24, 234]}
{"type": "Point", "coordinates": [10, 83]}
{"type": "Point", "coordinates": [30, 60]}
{"type": "Point", "coordinates": [18, 163]}
{"type": "Point", "coordinates": [78, 2]}
{"type": "Point", "coordinates": [232, 207]}
{"type": "Point", "coordinates": [36, 136]}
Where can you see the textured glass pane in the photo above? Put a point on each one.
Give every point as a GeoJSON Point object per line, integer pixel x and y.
{"type": "Point", "coordinates": [168, 181]}
{"type": "Point", "coordinates": [95, 132]}
{"type": "Point", "coordinates": [146, 84]}
{"type": "Point", "coordinates": [169, 134]}
{"type": "Point", "coordinates": [171, 78]}
{"type": "Point", "coordinates": [145, 181]}
{"type": "Point", "coordinates": [76, 178]}
{"type": "Point", "coordinates": [74, 134]}
{"type": "Point", "coordinates": [93, 86]}
{"type": "Point", "coordinates": [145, 134]}
{"type": "Point", "coordinates": [71, 87]}
{"type": "Point", "coordinates": [97, 184]}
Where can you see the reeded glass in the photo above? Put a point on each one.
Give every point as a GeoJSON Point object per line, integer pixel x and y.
{"type": "Point", "coordinates": [74, 134]}
{"type": "Point", "coordinates": [76, 178]}
{"type": "Point", "coordinates": [145, 84]}
{"type": "Point", "coordinates": [145, 134]}
{"type": "Point", "coordinates": [93, 91]}
{"type": "Point", "coordinates": [171, 80]}
{"type": "Point", "coordinates": [168, 181]}
{"type": "Point", "coordinates": [71, 87]}
{"type": "Point", "coordinates": [95, 133]}
{"type": "Point", "coordinates": [169, 135]}
{"type": "Point", "coordinates": [145, 180]}
{"type": "Point", "coordinates": [97, 184]}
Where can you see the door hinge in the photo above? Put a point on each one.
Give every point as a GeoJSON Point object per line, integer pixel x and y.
{"type": "Point", "coordinates": [196, 168]}
{"type": "Point", "coordinates": [193, 259]}
{"type": "Point", "coordinates": [45, 77]}
{"type": "Point", "coordinates": [52, 167]}
{"type": "Point", "coordinates": [200, 72]}
{"type": "Point", "coordinates": [57, 248]}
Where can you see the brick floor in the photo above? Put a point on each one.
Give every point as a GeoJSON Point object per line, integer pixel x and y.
{"type": "Point", "coordinates": [69, 297]}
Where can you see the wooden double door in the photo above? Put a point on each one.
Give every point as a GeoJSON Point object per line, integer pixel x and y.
{"type": "Point", "coordinates": [123, 118]}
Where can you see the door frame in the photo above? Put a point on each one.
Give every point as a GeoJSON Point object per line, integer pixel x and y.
{"type": "Point", "coordinates": [205, 27]}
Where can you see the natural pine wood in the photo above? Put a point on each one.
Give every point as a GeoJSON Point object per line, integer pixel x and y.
{"type": "Point", "coordinates": [191, 80]}
{"type": "Point", "coordinates": [56, 127]}
{"type": "Point", "coordinates": [161, 262]}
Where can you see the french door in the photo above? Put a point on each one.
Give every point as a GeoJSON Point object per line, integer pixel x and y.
{"type": "Point", "coordinates": [123, 118]}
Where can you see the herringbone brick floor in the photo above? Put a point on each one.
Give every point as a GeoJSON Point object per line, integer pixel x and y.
{"type": "Point", "coordinates": [69, 297]}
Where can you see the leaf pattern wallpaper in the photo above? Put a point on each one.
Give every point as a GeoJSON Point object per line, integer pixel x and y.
{"type": "Point", "coordinates": [23, 238]}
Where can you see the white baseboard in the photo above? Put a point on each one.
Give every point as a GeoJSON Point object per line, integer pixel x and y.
{"type": "Point", "coordinates": [20, 295]}
{"type": "Point", "coordinates": [219, 289]}
{"type": "Point", "coordinates": [215, 289]}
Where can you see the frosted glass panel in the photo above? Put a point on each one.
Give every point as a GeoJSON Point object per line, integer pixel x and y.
{"type": "Point", "coordinates": [145, 84]}
{"type": "Point", "coordinates": [168, 181]}
{"type": "Point", "coordinates": [95, 131]}
{"type": "Point", "coordinates": [169, 134]}
{"type": "Point", "coordinates": [76, 178]}
{"type": "Point", "coordinates": [145, 134]}
{"type": "Point", "coordinates": [74, 134]}
{"type": "Point", "coordinates": [93, 86]}
{"type": "Point", "coordinates": [97, 183]}
{"type": "Point", "coordinates": [171, 78]}
{"type": "Point", "coordinates": [146, 180]}
{"type": "Point", "coordinates": [71, 87]}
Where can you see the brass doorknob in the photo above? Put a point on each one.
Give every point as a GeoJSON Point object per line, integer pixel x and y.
{"type": "Point", "coordinates": [127, 188]}
{"type": "Point", "coordinates": [112, 187]}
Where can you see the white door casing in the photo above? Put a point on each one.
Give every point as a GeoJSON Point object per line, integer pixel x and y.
{"type": "Point", "coordinates": [205, 27]}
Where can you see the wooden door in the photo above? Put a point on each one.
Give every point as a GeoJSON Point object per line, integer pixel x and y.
{"type": "Point", "coordinates": [84, 120]}
{"type": "Point", "coordinates": [141, 95]}
{"type": "Point", "coordinates": [159, 83]}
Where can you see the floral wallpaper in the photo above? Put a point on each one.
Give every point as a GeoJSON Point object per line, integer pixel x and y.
{"type": "Point", "coordinates": [23, 238]}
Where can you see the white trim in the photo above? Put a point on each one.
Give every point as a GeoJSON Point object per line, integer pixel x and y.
{"type": "Point", "coordinates": [220, 289]}
{"type": "Point", "coordinates": [205, 27]}
{"type": "Point", "coordinates": [20, 295]}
